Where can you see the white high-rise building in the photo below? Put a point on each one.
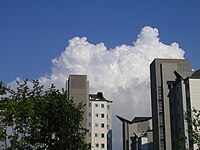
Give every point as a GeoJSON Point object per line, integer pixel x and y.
{"type": "Point", "coordinates": [97, 115]}
{"type": "Point", "coordinates": [99, 122]}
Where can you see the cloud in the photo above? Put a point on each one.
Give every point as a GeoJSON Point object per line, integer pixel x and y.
{"type": "Point", "coordinates": [121, 73]}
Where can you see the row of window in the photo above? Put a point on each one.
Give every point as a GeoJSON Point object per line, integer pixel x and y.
{"type": "Point", "coordinates": [97, 135]}
{"type": "Point", "coordinates": [97, 125]}
{"type": "Point", "coordinates": [102, 135]}
{"type": "Point", "coordinates": [97, 115]}
{"type": "Point", "coordinates": [102, 145]}
{"type": "Point", "coordinates": [100, 105]}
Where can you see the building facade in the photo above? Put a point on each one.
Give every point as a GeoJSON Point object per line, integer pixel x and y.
{"type": "Point", "coordinates": [78, 89]}
{"type": "Point", "coordinates": [99, 122]}
{"type": "Point", "coordinates": [97, 115]}
{"type": "Point", "coordinates": [162, 71]}
{"type": "Point", "coordinates": [183, 95]}
{"type": "Point", "coordinates": [192, 85]}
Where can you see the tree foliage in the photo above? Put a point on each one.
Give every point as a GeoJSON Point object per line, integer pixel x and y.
{"type": "Point", "coordinates": [31, 118]}
{"type": "Point", "coordinates": [193, 119]}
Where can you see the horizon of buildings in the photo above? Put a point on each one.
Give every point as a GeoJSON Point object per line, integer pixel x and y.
{"type": "Point", "coordinates": [174, 91]}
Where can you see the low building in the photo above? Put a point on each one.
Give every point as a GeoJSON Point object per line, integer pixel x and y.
{"type": "Point", "coordinates": [136, 133]}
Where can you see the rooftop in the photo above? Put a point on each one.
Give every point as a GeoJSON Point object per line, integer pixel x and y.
{"type": "Point", "coordinates": [98, 97]}
{"type": "Point", "coordinates": [135, 120]}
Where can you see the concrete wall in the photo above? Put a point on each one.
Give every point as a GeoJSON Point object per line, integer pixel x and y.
{"type": "Point", "coordinates": [161, 71]}
{"type": "Point", "coordinates": [78, 90]}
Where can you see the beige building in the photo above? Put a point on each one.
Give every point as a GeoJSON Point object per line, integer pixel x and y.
{"type": "Point", "coordinates": [78, 89]}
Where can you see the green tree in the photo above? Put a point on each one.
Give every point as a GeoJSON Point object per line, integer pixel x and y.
{"type": "Point", "coordinates": [31, 118]}
{"type": "Point", "coordinates": [193, 119]}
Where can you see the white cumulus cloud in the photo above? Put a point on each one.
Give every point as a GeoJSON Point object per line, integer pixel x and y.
{"type": "Point", "coordinates": [121, 73]}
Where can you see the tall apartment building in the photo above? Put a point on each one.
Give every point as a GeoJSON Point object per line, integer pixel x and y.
{"type": "Point", "coordinates": [99, 122]}
{"type": "Point", "coordinates": [97, 115]}
{"type": "Point", "coordinates": [184, 95]}
{"type": "Point", "coordinates": [162, 71]}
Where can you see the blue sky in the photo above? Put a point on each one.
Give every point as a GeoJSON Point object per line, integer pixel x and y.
{"type": "Point", "coordinates": [32, 32]}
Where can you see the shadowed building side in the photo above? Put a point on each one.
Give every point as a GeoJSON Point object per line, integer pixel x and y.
{"type": "Point", "coordinates": [162, 71]}
{"type": "Point", "coordinates": [184, 95]}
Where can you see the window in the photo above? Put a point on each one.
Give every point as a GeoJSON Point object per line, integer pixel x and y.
{"type": "Point", "coordinates": [89, 134]}
{"type": "Point", "coordinates": [102, 135]}
{"type": "Point", "coordinates": [160, 93]}
{"type": "Point", "coordinates": [102, 105]}
{"type": "Point", "coordinates": [102, 115]}
{"type": "Point", "coordinates": [160, 106]}
{"type": "Point", "coordinates": [102, 146]}
{"type": "Point", "coordinates": [96, 135]}
{"type": "Point", "coordinates": [108, 126]}
{"type": "Point", "coordinates": [96, 105]}
{"type": "Point", "coordinates": [127, 145]}
{"type": "Point", "coordinates": [162, 145]}
{"type": "Point", "coordinates": [102, 125]}
{"type": "Point", "coordinates": [89, 114]}
{"type": "Point", "coordinates": [161, 133]}
{"type": "Point", "coordinates": [90, 104]}
{"type": "Point", "coordinates": [177, 89]}
{"type": "Point", "coordinates": [96, 115]}
{"type": "Point", "coordinates": [161, 119]}
{"type": "Point", "coordinates": [96, 124]}
{"type": "Point", "coordinates": [108, 117]}
{"type": "Point", "coordinates": [108, 107]}
{"type": "Point", "coordinates": [97, 145]}
{"type": "Point", "coordinates": [89, 124]}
